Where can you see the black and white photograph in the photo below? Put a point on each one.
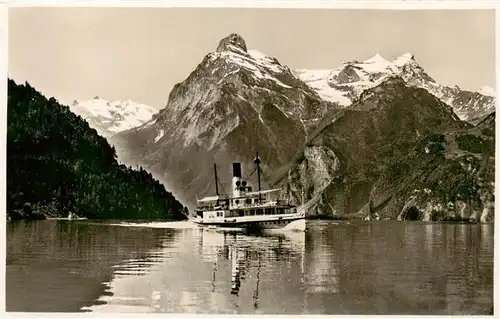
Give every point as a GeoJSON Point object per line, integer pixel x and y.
{"type": "Point", "coordinates": [267, 160]}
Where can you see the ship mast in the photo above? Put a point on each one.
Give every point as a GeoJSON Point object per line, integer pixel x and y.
{"type": "Point", "coordinates": [257, 162]}
{"type": "Point", "coordinates": [302, 195]}
{"type": "Point", "coordinates": [216, 186]}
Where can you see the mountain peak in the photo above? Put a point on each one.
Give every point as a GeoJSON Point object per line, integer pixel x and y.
{"type": "Point", "coordinates": [376, 58]}
{"type": "Point", "coordinates": [488, 91]}
{"type": "Point", "coordinates": [404, 59]}
{"type": "Point", "coordinates": [376, 64]}
{"type": "Point", "coordinates": [233, 42]}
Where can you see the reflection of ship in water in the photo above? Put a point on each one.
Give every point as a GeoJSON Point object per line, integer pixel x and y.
{"type": "Point", "coordinates": [237, 268]}
{"type": "Point", "coordinates": [247, 255]}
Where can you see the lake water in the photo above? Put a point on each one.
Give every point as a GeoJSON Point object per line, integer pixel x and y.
{"type": "Point", "coordinates": [381, 267]}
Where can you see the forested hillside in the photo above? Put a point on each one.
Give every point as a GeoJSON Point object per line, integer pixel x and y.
{"type": "Point", "coordinates": [56, 164]}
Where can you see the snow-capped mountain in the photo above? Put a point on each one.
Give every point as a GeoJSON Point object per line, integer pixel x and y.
{"type": "Point", "coordinates": [345, 84]}
{"type": "Point", "coordinates": [488, 91]}
{"type": "Point", "coordinates": [239, 101]}
{"type": "Point", "coordinates": [111, 117]}
{"type": "Point", "coordinates": [236, 102]}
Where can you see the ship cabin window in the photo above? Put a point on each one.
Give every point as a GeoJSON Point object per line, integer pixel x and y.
{"type": "Point", "coordinates": [281, 210]}
{"type": "Point", "coordinates": [220, 214]}
{"type": "Point", "coordinates": [241, 213]}
{"type": "Point", "coordinates": [268, 211]}
{"type": "Point", "coordinates": [248, 201]}
{"type": "Point", "coordinates": [236, 201]}
{"type": "Point", "coordinates": [252, 212]}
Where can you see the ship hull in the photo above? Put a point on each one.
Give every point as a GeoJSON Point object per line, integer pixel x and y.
{"type": "Point", "coordinates": [265, 224]}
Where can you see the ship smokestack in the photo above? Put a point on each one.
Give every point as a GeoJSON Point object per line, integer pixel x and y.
{"type": "Point", "coordinates": [237, 182]}
{"type": "Point", "coordinates": [237, 170]}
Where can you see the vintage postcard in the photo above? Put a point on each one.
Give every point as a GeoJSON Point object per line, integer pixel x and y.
{"type": "Point", "coordinates": [281, 158]}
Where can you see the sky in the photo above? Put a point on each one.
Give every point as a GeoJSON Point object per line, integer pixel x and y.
{"type": "Point", "coordinates": [139, 54]}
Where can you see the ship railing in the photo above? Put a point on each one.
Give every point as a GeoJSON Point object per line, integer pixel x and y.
{"type": "Point", "coordinates": [274, 203]}
{"type": "Point", "coordinates": [263, 204]}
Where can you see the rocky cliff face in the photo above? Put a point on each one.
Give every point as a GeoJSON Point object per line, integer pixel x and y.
{"type": "Point", "coordinates": [448, 176]}
{"type": "Point", "coordinates": [359, 142]}
{"type": "Point", "coordinates": [236, 102]}
{"type": "Point", "coordinates": [344, 85]}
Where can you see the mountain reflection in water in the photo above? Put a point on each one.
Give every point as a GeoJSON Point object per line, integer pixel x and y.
{"type": "Point", "coordinates": [210, 271]}
{"type": "Point", "coordinates": [332, 268]}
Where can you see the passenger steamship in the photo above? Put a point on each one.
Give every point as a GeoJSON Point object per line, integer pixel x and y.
{"type": "Point", "coordinates": [245, 208]}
